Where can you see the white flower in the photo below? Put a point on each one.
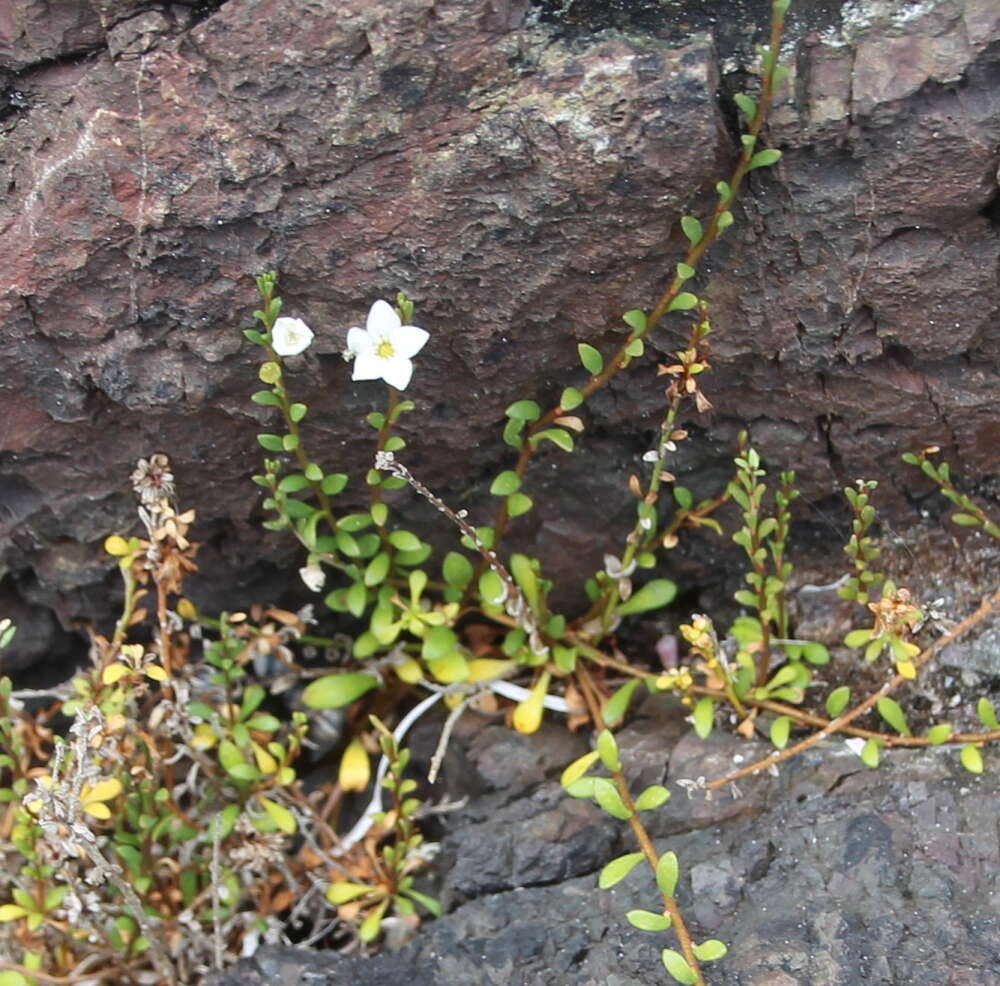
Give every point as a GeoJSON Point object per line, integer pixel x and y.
{"type": "Point", "coordinates": [313, 576]}
{"type": "Point", "coordinates": [855, 744]}
{"type": "Point", "coordinates": [383, 350]}
{"type": "Point", "coordinates": [290, 336]}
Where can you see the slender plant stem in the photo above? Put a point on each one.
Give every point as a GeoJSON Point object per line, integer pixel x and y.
{"type": "Point", "coordinates": [848, 717]}
{"type": "Point", "coordinates": [639, 831]}
{"type": "Point", "coordinates": [694, 254]}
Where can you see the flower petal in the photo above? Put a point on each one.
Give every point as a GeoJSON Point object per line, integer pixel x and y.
{"type": "Point", "coordinates": [367, 366]}
{"type": "Point", "coordinates": [408, 340]}
{"type": "Point", "coordinates": [382, 318]}
{"type": "Point", "coordinates": [359, 341]}
{"type": "Point", "coordinates": [290, 336]}
{"type": "Point", "coordinates": [396, 372]}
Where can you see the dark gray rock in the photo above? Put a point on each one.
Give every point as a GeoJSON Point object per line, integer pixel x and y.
{"type": "Point", "coordinates": [829, 874]}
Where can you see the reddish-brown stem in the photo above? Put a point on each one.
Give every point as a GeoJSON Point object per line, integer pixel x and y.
{"type": "Point", "coordinates": [691, 258]}
{"type": "Point", "coordinates": [640, 833]}
{"type": "Point", "coordinates": [848, 717]}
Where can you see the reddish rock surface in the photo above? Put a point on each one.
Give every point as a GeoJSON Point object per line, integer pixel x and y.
{"type": "Point", "coordinates": [519, 173]}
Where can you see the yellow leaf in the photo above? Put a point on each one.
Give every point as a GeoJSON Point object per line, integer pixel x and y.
{"type": "Point", "coordinates": [11, 912]}
{"type": "Point", "coordinates": [204, 737]}
{"type": "Point", "coordinates": [341, 893]}
{"type": "Point", "coordinates": [280, 815]}
{"type": "Point", "coordinates": [186, 609]}
{"type": "Point", "coordinates": [578, 768]}
{"type": "Point", "coordinates": [155, 672]}
{"type": "Point", "coordinates": [266, 764]}
{"type": "Point", "coordinates": [355, 767]}
{"type": "Point", "coordinates": [487, 668]}
{"type": "Point", "coordinates": [409, 671]}
{"type": "Point", "coordinates": [113, 673]}
{"type": "Point", "coordinates": [102, 791]}
{"type": "Point", "coordinates": [99, 810]}
{"type": "Point", "coordinates": [906, 669]}
{"type": "Point", "coordinates": [116, 545]}
{"type": "Point", "coordinates": [449, 669]}
{"type": "Point", "coordinates": [528, 714]}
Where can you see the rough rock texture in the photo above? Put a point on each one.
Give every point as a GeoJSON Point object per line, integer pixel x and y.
{"type": "Point", "coordinates": [828, 875]}
{"type": "Point", "coordinates": [517, 168]}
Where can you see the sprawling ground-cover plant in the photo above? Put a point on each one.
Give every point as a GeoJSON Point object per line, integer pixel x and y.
{"type": "Point", "coordinates": [161, 828]}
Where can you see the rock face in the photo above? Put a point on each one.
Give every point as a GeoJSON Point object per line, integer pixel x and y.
{"type": "Point", "coordinates": [828, 875]}
{"type": "Point", "coordinates": [518, 169]}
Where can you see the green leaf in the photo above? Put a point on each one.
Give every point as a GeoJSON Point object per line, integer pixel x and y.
{"type": "Point", "coordinates": [653, 595]}
{"type": "Point", "coordinates": [747, 106]}
{"type": "Point", "coordinates": [558, 436]}
{"type": "Point", "coordinates": [571, 398]}
{"type": "Point", "coordinates": [438, 642]}
{"type": "Point", "coordinates": [692, 229]}
{"type": "Point", "coordinates": [676, 965]}
{"type": "Point", "coordinates": [703, 716]}
{"type": "Point", "coordinates": [266, 398]}
{"type": "Point", "coordinates": [635, 348]}
{"type": "Point", "coordinates": [683, 302]}
{"type": "Point", "coordinates": [524, 575]}
{"type": "Point", "coordinates": [607, 749]}
{"type": "Point", "coordinates": [617, 703]}
{"type": "Point", "coordinates": [582, 787]}
{"type": "Point", "coordinates": [404, 541]}
{"type": "Point", "coordinates": [987, 714]}
{"type": "Point", "coordinates": [289, 442]}
{"type": "Point", "coordinates": [890, 710]}
{"type": "Point", "coordinates": [269, 372]}
{"type": "Point", "coordinates": [816, 653]}
{"type": "Point", "coordinates": [272, 443]}
{"type": "Point", "coordinates": [858, 638]}
{"type": "Point", "coordinates": [378, 569]}
{"type": "Point", "coordinates": [293, 483]}
{"type": "Point", "coordinates": [518, 503]}
{"type": "Point", "coordinates": [512, 432]}
{"type": "Point", "coordinates": [939, 734]}
{"type": "Point", "coordinates": [334, 691]}
{"type": "Point", "coordinates": [334, 483]}
{"type": "Point", "coordinates": [652, 797]}
{"type": "Point", "coordinates": [667, 872]}
{"type": "Point", "coordinates": [524, 411]}
{"type": "Point", "coordinates": [635, 319]}
{"type": "Point", "coordinates": [965, 520]}
{"type": "Point", "coordinates": [491, 588]}
{"type": "Point", "coordinates": [765, 158]}
{"type": "Point", "coordinates": [725, 220]}
{"type": "Point", "coordinates": [685, 272]}
{"type": "Point", "coordinates": [870, 753]}
{"type": "Point", "coordinates": [616, 871]}
{"type": "Point", "coordinates": [972, 759]}
{"type": "Point", "coordinates": [457, 570]}
{"type": "Point", "coordinates": [647, 920]}
{"type": "Point", "coordinates": [506, 483]}
{"type": "Point", "coordinates": [607, 796]}
{"type": "Point", "coordinates": [592, 360]}
{"type": "Point", "coordinates": [297, 412]}
{"type": "Point", "coordinates": [710, 950]}
{"type": "Point", "coordinates": [780, 729]}
{"type": "Point", "coordinates": [837, 701]}
{"type": "Point", "coordinates": [429, 904]}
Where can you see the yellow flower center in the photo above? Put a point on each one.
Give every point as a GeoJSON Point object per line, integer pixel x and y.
{"type": "Point", "coordinates": [385, 350]}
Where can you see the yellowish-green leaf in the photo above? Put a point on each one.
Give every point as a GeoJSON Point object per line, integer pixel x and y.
{"type": "Point", "coordinates": [618, 869]}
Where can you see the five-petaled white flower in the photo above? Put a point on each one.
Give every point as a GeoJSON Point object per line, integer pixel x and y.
{"type": "Point", "coordinates": [385, 347]}
{"type": "Point", "coordinates": [290, 336]}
